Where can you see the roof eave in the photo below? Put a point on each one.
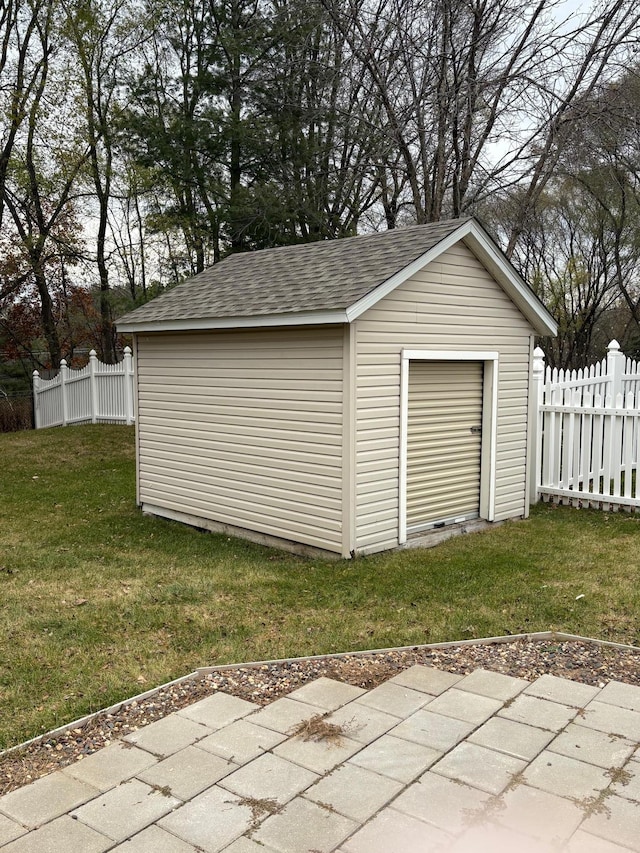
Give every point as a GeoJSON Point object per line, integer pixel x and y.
{"type": "Point", "coordinates": [307, 318]}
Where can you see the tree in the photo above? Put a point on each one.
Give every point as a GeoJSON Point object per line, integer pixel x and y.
{"type": "Point", "coordinates": [41, 175]}
{"type": "Point", "coordinates": [475, 93]}
{"type": "Point", "coordinates": [172, 130]}
{"type": "Point", "coordinates": [585, 58]}
{"type": "Point", "coordinates": [605, 161]}
{"type": "Point", "coordinates": [580, 243]}
{"type": "Point", "coordinates": [312, 176]}
{"type": "Point", "coordinates": [32, 328]}
{"type": "Point", "coordinates": [21, 59]}
{"type": "Point", "coordinates": [102, 35]}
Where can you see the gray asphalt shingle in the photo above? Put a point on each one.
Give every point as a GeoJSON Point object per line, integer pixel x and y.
{"type": "Point", "coordinates": [325, 276]}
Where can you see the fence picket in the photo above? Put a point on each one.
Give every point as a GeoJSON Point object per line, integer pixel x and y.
{"type": "Point", "coordinates": [576, 444]}
{"type": "Point", "coordinates": [627, 448]}
{"type": "Point", "coordinates": [566, 445]}
{"type": "Point", "coordinates": [586, 456]}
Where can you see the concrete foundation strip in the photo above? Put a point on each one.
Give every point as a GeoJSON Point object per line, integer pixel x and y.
{"type": "Point", "coordinates": [539, 636]}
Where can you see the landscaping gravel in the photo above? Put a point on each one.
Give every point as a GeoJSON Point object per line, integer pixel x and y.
{"type": "Point", "coordinates": [585, 661]}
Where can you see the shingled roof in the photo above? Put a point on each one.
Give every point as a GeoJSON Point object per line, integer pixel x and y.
{"type": "Point", "coordinates": [306, 280]}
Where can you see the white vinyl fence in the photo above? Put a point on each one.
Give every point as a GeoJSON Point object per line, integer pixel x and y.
{"type": "Point", "coordinates": [587, 448]}
{"type": "Point", "coordinates": [97, 393]}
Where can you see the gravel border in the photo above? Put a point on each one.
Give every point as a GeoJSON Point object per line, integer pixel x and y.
{"type": "Point", "coordinates": [575, 658]}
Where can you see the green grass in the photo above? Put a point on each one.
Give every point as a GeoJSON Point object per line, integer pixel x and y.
{"type": "Point", "coordinates": [99, 602]}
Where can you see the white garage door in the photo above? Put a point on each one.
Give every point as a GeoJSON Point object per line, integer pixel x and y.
{"type": "Point", "coordinates": [444, 442]}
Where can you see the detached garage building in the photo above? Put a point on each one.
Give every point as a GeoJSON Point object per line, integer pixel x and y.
{"type": "Point", "coordinates": [341, 395]}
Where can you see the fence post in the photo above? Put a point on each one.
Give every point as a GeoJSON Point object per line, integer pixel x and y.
{"type": "Point", "coordinates": [93, 391]}
{"type": "Point", "coordinates": [615, 370]}
{"type": "Point", "coordinates": [36, 400]}
{"type": "Point", "coordinates": [535, 448]}
{"type": "Point", "coordinates": [128, 385]}
{"type": "Point", "coordinates": [64, 374]}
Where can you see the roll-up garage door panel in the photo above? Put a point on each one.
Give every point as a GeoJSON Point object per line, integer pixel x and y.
{"type": "Point", "coordinates": [443, 453]}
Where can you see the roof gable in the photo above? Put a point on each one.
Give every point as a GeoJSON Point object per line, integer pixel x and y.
{"type": "Point", "coordinates": [327, 282]}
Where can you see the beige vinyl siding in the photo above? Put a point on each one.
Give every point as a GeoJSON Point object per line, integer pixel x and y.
{"type": "Point", "coordinates": [453, 304]}
{"type": "Point", "coordinates": [245, 428]}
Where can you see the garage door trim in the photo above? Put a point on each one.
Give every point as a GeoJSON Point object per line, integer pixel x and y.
{"type": "Point", "coordinates": [489, 421]}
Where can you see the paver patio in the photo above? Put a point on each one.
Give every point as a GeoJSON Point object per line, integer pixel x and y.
{"type": "Point", "coordinates": [429, 761]}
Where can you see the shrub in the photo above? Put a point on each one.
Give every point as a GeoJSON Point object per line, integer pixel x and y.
{"type": "Point", "coordinates": [16, 413]}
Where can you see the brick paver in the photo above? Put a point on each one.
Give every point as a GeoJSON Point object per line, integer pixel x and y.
{"type": "Point", "coordinates": [168, 735]}
{"type": "Point", "coordinates": [269, 777]}
{"type": "Point", "coordinates": [470, 707]}
{"type": "Point", "coordinates": [395, 831]}
{"type": "Point", "coordinates": [320, 756]}
{"type": "Point", "coordinates": [395, 699]}
{"type": "Point", "coordinates": [623, 695]}
{"type": "Point", "coordinates": [242, 741]}
{"type": "Point", "coordinates": [565, 776]}
{"type": "Point", "coordinates": [560, 690]}
{"type": "Point", "coordinates": [111, 765]}
{"type": "Point", "coordinates": [212, 820]}
{"type": "Point", "coordinates": [9, 829]}
{"type": "Point", "coordinates": [612, 718]}
{"type": "Point", "coordinates": [593, 746]}
{"type": "Point", "coordinates": [541, 713]}
{"type": "Point", "coordinates": [284, 714]}
{"type": "Point", "coordinates": [618, 823]}
{"type": "Point", "coordinates": [62, 835]}
{"type": "Point", "coordinates": [399, 759]}
{"type": "Point", "coordinates": [583, 842]}
{"type": "Point", "coordinates": [447, 804]}
{"type": "Point", "coordinates": [218, 710]}
{"type": "Point", "coordinates": [154, 840]}
{"type": "Point", "coordinates": [125, 810]}
{"type": "Point", "coordinates": [188, 772]}
{"type": "Point", "coordinates": [303, 825]}
{"type": "Point", "coordinates": [362, 723]}
{"type": "Point", "coordinates": [326, 693]}
{"type": "Point", "coordinates": [45, 799]}
{"type": "Point", "coordinates": [430, 760]}
{"type": "Point", "coordinates": [495, 685]}
{"type": "Point", "coordinates": [493, 838]}
{"type": "Point", "coordinates": [627, 783]}
{"type": "Point", "coordinates": [426, 679]}
{"type": "Point", "coordinates": [515, 739]}
{"type": "Point", "coordinates": [245, 845]}
{"type": "Point", "coordinates": [539, 814]}
{"type": "Point", "coordinates": [337, 791]}
{"type": "Point", "coordinates": [479, 767]}
{"type": "Point", "coordinates": [434, 730]}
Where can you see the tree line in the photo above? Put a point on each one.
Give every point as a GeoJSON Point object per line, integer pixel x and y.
{"type": "Point", "coordinates": [143, 141]}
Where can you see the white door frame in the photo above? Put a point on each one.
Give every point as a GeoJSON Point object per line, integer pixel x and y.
{"type": "Point", "coordinates": [489, 425]}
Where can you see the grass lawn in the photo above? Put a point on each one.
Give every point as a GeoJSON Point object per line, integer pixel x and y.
{"type": "Point", "coordinates": [100, 602]}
